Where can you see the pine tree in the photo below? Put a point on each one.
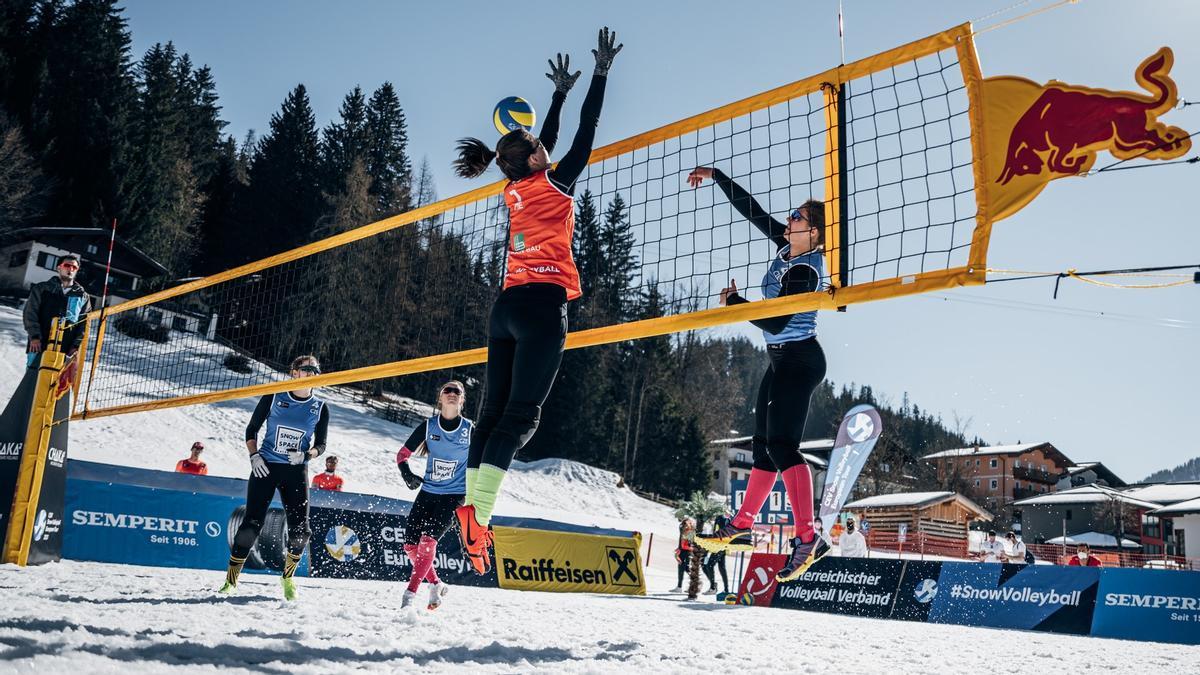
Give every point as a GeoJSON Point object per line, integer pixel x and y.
{"type": "Point", "coordinates": [617, 266]}
{"type": "Point", "coordinates": [345, 141]}
{"type": "Point", "coordinates": [283, 199]}
{"type": "Point", "coordinates": [22, 187]}
{"type": "Point", "coordinates": [82, 110]}
{"type": "Point", "coordinates": [387, 156]}
{"type": "Point", "coordinates": [159, 189]}
{"type": "Point", "coordinates": [220, 227]}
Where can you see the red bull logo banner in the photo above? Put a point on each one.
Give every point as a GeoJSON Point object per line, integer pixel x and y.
{"type": "Point", "coordinates": [1033, 134]}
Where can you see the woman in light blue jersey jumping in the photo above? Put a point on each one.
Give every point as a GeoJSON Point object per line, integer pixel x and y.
{"type": "Point", "coordinates": [797, 367]}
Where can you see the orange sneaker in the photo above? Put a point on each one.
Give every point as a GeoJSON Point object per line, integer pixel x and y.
{"type": "Point", "coordinates": [475, 539]}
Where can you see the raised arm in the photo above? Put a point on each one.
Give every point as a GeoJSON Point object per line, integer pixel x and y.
{"type": "Point", "coordinates": [560, 75]}
{"type": "Point", "coordinates": [571, 166]}
{"type": "Point", "coordinates": [744, 202]}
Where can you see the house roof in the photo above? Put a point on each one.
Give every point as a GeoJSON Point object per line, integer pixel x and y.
{"type": "Point", "coordinates": [1094, 539]}
{"type": "Point", "coordinates": [1020, 449]}
{"type": "Point", "coordinates": [1100, 470]}
{"type": "Point", "coordinates": [1088, 494]}
{"type": "Point", "coordinates": [152, 266]}
{"type": "Point", "coordinates": [1165, 493]}
{"type": "Point", "coordinates": [915, 500]}
{"type": "Point", "coordinates": [1179, 509]}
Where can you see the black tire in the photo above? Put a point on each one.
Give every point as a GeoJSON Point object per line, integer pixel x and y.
{"type": "Point", "coordinates": [272, 541]}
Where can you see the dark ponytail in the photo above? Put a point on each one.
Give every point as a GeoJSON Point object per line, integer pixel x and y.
{"type": "Point", "coordinates": [512, 155]}
{"type": "Point", "coordinates": [474, 156]}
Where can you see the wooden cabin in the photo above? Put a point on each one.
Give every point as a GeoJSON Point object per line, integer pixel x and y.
{"type": "Point", "coordinates": [940, 514]}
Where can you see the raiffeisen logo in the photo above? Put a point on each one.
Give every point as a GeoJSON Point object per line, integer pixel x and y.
{"type": "Point", "coordinates": [134, 522]}
{"type": "Point", "coordinates": [544, 569]}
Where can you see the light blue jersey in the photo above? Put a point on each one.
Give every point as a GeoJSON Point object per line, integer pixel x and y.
{"type": "Point", "coordinates": [803, 273]}
{"type": "Point", "coordinates": [291, 426]}
{"type": "Point", "coordinates": [446, 466]}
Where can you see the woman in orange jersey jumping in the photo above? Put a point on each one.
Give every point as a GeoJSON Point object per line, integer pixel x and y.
{"type": "Point", "coordinates": [528, 324]}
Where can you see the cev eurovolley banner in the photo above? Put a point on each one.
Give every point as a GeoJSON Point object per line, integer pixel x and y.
{"type": "Point", "coordinates": [568, 562]}
{"type": "Point", "coordinates": [856, 439]}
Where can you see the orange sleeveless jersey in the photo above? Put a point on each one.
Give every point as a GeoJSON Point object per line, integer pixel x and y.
{"type": "Point", "coordinates": [541, 227]}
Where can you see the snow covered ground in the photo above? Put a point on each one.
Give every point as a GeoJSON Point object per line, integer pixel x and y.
{"type": "Point", "coordinates": [94, 618]}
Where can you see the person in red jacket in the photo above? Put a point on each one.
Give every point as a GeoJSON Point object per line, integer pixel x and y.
{"type": "Point", "coordinates": [1083, 557]}
{"type": "Point", "coordinates": [328, 480]}
{"type": "Point", "coordinates": [192, 464]}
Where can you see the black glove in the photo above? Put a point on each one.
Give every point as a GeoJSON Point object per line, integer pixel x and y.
{"type": "Point", "coordinates": [561, 75]}
{"type": "Point", "coordinates": [605, 52]}
{"type": "Point", "coordinates": [412, 480]}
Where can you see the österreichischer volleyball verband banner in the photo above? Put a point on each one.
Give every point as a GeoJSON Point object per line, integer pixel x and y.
{"type": "Point", "coordinates": [539, 560]}
{"type": "Point", "coordinates": [856, 438]}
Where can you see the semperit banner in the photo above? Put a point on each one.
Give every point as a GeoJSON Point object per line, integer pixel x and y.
{"type": "Point", "coordinates": [568, 562]}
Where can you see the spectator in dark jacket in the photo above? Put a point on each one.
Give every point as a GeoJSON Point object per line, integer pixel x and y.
{"type": "Point", "coordinates": [59, 298]}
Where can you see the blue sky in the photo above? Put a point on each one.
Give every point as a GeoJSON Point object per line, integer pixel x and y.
{"type": "Point", "coordinates": [1096, 372]}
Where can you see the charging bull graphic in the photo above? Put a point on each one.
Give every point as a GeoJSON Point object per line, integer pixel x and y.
{"type": "Point", "coordinates": [1034, 134]}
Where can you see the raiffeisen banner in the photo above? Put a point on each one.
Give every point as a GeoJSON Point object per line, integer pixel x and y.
{"type": "Point", "coordinates": [538, 560]}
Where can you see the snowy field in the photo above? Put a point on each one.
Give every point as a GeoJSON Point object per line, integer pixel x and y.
{"type": "Point", "coordinates": [78, 617]}
{"type": "Point", "coordinates": [97, 618]}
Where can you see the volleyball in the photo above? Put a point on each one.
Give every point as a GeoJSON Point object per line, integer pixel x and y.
{"type": "Point", "coordinates": [513, 113]}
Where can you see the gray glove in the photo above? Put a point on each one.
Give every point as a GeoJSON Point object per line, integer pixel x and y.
{"type": "Point", "coordinates": [605, 52]}
{"type": "Point", "coordinates": [561, 75]}
{"type": "Point", "coordinates": [258, 465]}
{"type": "Point", "coordinates": [296, 456]}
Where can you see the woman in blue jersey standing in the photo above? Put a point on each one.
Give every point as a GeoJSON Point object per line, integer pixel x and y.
{"type": "Point", "coordinates": [446, 439]}
{"type": "Point", "coordinates": [797, 367]}
{"type": "Point", "coordinates": [297, 424]}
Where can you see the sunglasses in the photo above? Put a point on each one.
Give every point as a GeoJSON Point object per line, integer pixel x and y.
{"type": "Point", "coordinates": [796, 214]}
{"type": "Point", "coordinates": [315, 370]}
{"type": "Point", "coordinates": [452, 390]}
{"type": "Point", "coordinates": [69, 266]}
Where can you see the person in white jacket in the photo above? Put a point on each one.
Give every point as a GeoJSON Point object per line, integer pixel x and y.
{"type": "Point", "coordinates": [991, 550]}
{"type": "Point", "coordinates": [853, 543]}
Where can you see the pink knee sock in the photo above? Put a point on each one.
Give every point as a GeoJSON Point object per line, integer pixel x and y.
{"type": "Point", "coordinates": [758, 487]}
{"type": "Point", "coordinates": [798, 482]}
{"type": "Point", "coordinates": [422, 560]}
{"type": "Point", "coordinates": [430, 543]}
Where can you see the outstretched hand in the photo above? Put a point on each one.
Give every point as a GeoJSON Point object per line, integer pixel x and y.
{"type": "Point", "coordinates": [728, 291]}
{"type": "Point", "coordinates": [698, 175]}
{"type": "Point", "coordinates": [561, 75]}
{"type": "Point", "coordinates": [605, 52]}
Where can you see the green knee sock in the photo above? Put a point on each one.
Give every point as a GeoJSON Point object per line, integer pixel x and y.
{"type": "Point", "coordinates": [487, 486]}
{"type": "Point", "coordinates": [472, 477]}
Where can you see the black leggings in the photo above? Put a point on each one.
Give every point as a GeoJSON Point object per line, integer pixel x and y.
{"type": "Point", "coordinates": [431, 515]}
{"type": "Point", "coordinates": [292, 482]}
{"type": "Point", "coordinates": [526, 332]}
{"type": "Point", "coordinates": [783, 397]}
{"type": "Point", "coordinates": [716, 560]}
